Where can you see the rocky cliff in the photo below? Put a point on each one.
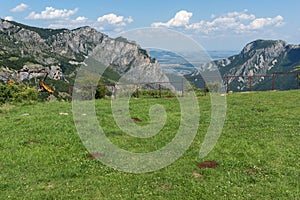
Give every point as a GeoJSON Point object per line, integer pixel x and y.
{"type": "Point", "coordinates": [60, 52]}
{"type": "Point", "coordinates": [260, 57]}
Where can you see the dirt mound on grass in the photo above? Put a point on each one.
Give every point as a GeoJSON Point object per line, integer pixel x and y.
{"type": "Point", "coordinates": [208, 164]}
{"type": "Point", "coordinates": [136, 119]}
{"type": "Point", "coordinates": [95, 155]}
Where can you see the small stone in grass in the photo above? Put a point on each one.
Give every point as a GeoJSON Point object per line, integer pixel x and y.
{"type": "Point", "coordinates": [196, 175]}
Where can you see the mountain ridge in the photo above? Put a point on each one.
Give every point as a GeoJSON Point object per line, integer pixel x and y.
{"type": "Point", "coordinates": [65, 50]}
{"type": "Point", "coordinates": [257, 58]}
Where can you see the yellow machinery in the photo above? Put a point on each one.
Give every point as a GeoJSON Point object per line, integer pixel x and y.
{"type": "Point", "coordinates": [43, 85]}
{"type": "Point", "coordinates": [46, 87]}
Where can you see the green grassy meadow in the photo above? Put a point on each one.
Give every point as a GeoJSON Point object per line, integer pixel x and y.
{"type": "Point", "coordinates": [42, 156]}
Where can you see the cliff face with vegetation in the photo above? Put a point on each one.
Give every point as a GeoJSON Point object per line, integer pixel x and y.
{"type": "Point", "coordinates": [260, 57]}
{"type": "Point", "coordinates": [60, 52]}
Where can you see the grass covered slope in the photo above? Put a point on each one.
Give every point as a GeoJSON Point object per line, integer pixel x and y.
{"type": "Point", "coordinates": [42, 157]}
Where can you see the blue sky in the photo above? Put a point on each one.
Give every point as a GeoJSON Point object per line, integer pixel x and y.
{"type": "Point", "coordinates": [215, 24]}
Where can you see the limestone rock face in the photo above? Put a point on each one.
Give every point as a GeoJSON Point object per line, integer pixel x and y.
{"type": "Point", "coordinates": [61, 51]}
{"type": "Point", "coordinates": [257, 57]}
{"type": "Point", "coordinates": [129, 60]}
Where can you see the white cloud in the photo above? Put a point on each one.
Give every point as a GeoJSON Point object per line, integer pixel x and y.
{"type": "Point", "coordinates": [181, 18]}
{"type": "Point", "coordinates": [108, 23]}
{"type": "Point", "coordinates": [20, 8]}
{"type": "Point", "coordinates": [129, 20]}
{"type": "Point", "coordinates": [111, 19]}
{"type": "Point", "coordinates": [80, 19]}
{"type": "Point", "coordinates": [236, 22]}
{"type": "Point", "coordinates": [52, 13]}
{"type": "Point", "coordinates": [9, 18]}
{"type": "Point", "coordinates": [260, 23]}
{"type": "Point", "coordinates": [112, 22]}
{"type": "Point", "coordinates": [245, 16]}
{"type": "Point", "coordinates": [115, 20]}
{"type": "Point", "coordinates": [70, 23]}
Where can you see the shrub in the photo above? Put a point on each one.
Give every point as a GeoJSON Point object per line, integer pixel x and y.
{"type": "Point", "coordinates": [7, 92]}
{"type": "Point", "coordinates": [43, 96]}
{"type": "Point", "coordinates": [198, 91]}
{"type": "Point", "coordinates": [26, 94]}
{"type": "Point", "coordinates": [213, 87]}
{"type": "Point", "coordinates": [101, 91]}
{"type": "Point", "coordinates": [17, 93]}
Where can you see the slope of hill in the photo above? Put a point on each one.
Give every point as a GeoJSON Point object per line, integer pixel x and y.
{"type": "Point", "coordinates": [42, 156]}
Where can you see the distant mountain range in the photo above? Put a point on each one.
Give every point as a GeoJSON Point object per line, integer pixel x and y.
{"type": "Point", "coordinates": [173, 63]}
{"type": "Point", "coordinates": [60, 52]}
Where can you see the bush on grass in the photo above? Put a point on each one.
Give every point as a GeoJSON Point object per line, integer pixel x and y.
{"type": "Point", "coordinates": [17, 93]}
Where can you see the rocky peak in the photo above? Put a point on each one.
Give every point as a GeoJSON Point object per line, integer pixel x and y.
{"type": "Point", "coordinates": [71, 42]}
{"type": "Point", "coordinates": [262, 45]}
{"type": "Point", "coordinates": [19, 33]}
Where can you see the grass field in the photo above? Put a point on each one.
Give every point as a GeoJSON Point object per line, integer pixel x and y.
{"type": "Point", "coordinates": [42, 157]}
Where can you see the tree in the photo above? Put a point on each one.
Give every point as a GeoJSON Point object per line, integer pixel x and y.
{"type": "Point", "coordinates": [101, 91]}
